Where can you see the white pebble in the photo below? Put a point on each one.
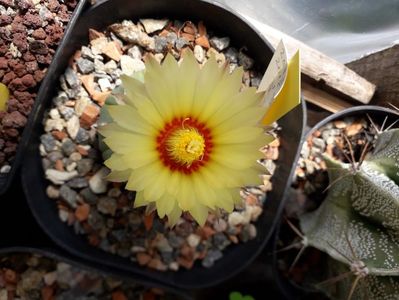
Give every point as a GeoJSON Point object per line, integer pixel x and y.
{"type": "Point", "coordinates": [199, 53]}
{"type": "Point", "coordinates": [97, 183]}
{"type": "Point", "coordinates": [73, 126]}
{"type": "Point", "coordinates": [130, 65]}
{"type": "Point", "coordinates": [193, 240]}
{"type": "Point", "coordinates": [59, 177]}
{"type": "Point", "coordinates": [104, 84]}
{"type": "Point", "coordinates": [152, 25]}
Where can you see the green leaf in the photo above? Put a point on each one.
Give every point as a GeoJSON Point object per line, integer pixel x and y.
{"type": "Point", "coordinates": [239, 296]}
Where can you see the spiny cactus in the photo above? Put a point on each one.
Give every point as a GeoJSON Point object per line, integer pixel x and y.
{"type": "Point", "coordinates": [357, 224]}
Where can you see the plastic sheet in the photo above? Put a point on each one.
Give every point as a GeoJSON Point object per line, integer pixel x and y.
{"type": "Point", "coordinates": [342, 29]}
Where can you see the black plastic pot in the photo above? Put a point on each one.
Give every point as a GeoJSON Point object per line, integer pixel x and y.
{"type": "Point", "coordinates": [378, 114]}
{"type": "Point", "coordinates": [221, 20]}
{"type": "Point", "coordinates": [7, 178]}
{"type": "Point", "coordinates": [20, 233]}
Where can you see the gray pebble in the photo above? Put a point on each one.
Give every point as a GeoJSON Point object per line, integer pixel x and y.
{"type": "Point", "coordinates": [69, 195]}
{"type": "Point", "coordinates": [171, 38]}
{"type": "Point", "coordinates": [88, 196]}
{"type": "Point", "coordinates": [220, 241]}
{"type": "Point", "coordinates": [162, 244]}
{"type": "Point", "coordinates": [60, 99]}
{"type": "Point", "coordinates": [231, 55]}
{"type": "Point", "coordinates": [210, 258]}
{"type": "Point", "coordinates": [245, 61]}
{"type": "Point", "coordinates": [255, 81]}
{"type": "Point", "coordinates": [114, 192]}
{"type": "Point", "coordinates": [86, 52]}
{"type": "Point", "coordinates": [48, 141]}
{"type": "Point", "coordinates": [84, 166]}
{"type": "Point", "coordinates": [95, 220]}
{"type": "Point", "coordinates": [161, 43]}
{"type": "Point", "coordinates": [63, 215]}
{"type": "Point", "coordinates": [78, 183]}
{"type": "Point", "coordinates": [180, 43]}
{"type": "Point", "coordinates": [46, 163]}
{"type": "Point", "coordinates": [82, 136]}
{"type": "Point", "coordinates": [68, 147]}
{"type": "Point", "coordinates": [134, 52]}
{"type": "Point", "coordinates": [66, 112]}
{"type": "Point", "coordinates": [52, 192]}
{"type": "Point", "coordinates": [219, 43]}
{"type": "Point", "coordinates": [175, 241]}
{"type": "Point", "coordinates": [72, 78]}
{"type": "Point", "coordinates": [85, 66]}
{"type": "Point", "coordinates": [107, 205]}
{"type": "Point", "coordinates": [319, 143]}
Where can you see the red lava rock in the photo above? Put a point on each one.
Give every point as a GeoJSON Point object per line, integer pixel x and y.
{"type": "Point", "coordinates": [19, 40]}
{"type": "Point", "coordinates": [55, 33]}
{"type": "Point", "coordinates": [14, 120]}
{"type": "Point", "coordinates": [17, 84]}
{"type": "Point", "coordinates": [24, 5]}
{"type": "Point", "coordinates": [32, 20]}
{"type": "Point", "coordinates": [28, 56]}
{"type": "Point", "coordinates": [53, 5]}
{"type": "Point", "coordinates": [44, 59]}
{"type": "Point", "coordinates": [31, 67]}
{"type": "Point", "coordinates": [3, 49]}
{"type": "Point", "coordinates": [38, 47]}
{"type": "Point", "coordinates": [28, 80]}
{"type": "Point", "coordinates": [5, 20]}
{"type": "Point", "coordinates": [3, 63]}
{"type": "Point", "coordinates": [39, 75]}
{"type": "Point", "coordinates": [23, 96]}
{"type": "Point", "coordinates": [8, 77]}
{"type": "Point", "coordinates": [39, 34]}
{"type": "Point", "coordinates": [11, 132]}
{"type": "Point", "coordinates": [20, 70]}
{"type": "Point", "coordinates": [12, 104]}
{"type": "Point", "coordinates": [7, 3]}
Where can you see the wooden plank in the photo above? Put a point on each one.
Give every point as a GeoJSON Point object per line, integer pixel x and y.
{"type": "Point", "coordinates": [381, 68]}
{"type": "Point", "coordinates": [322, 69]}
{"type": "Point", "coordinates": [323, 99]}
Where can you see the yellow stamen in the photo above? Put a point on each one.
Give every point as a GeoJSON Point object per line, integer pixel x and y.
{"type": "Point", "coordinates": [186, 146]}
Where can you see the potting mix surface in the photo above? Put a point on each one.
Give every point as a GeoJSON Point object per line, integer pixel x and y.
{"type": "Point", "coordinates": [73, 164]}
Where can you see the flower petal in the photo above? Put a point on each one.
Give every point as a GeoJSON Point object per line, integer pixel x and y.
{"type": "Point", "coordinates": [199, 213]}
{"type": "Point", "coordinates": [139, 200]}
{"type": "Point", "coordinates": [142, 177]}
{"type": "Point", "coordinates": [174, 215]}
{"type": "Point", "coordinates": [115, 162]}
{"type": "Point", "coordinates": [119, 176]}
{"type": "Point", "coordinates": [238, 135]}
{"type": "Point", "coordinates": [123, 142]}
{"type": "Point", "coordinates": [165, 205]}
{"type": "Point", "coordinates": [138, 158]}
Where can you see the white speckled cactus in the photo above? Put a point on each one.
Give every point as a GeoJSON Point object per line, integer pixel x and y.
{"type": "Point", "coordinates": [357, 225]}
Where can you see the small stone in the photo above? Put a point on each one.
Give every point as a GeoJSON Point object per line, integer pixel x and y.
{"type": "Point", "coordinates": [66, 112]}
{"type": "Point", "coordinates": [193, 240]}
{"type": "Point", "coordinates": [133, 34]}
{"type": "Point", "coordinates": [52, 192]}
{"type": "Point", "coordinates": [48, 141]}
{"type": "Point", "coordinates": [59, 177]}
{"type": "Point", "coordinates": [131, 65]}
{"type": "Point", "coordinates": [107, 205]}
{"type": "Point", "coordinates": [98, 44]}
{"type": "Point", "coordinates": [245, 61]}
{"type": "Point", "coordinates": [157, 264]}
{"type": "Point", "coordinates": [110, 67]}
{"type": "Point", "coordinates": [112, 51]}
{"type": "Point", "coordinates": [199, 53]}
{"type": "Point", "coordinates": [72, 78]}
{"type": "Point", "coordinates": [88, 83]}
{"type": "Point", "coordinates": [180, 43]}
{"type": "Point", "coordinates": [319, 143]}
{"type": "Point", "coordinates": [5, 169]}
{"type": "Point", "coordinates": [86, 52]}
{"type": "Point", "coordinates": [82, 212]}
{"type": "Point", "coordinates": [97, 183]}
{"type": "Point", "coordinates": [31, 279]}
{"type": "Point", "coordinates": [114, 192]}
{"type": "Point", "coordinates": [220, 225]}
{"type": "Point", "coordinates": [211, 257]}
{"type": "Point", "coordinates": [50, 278]}
{"type": "Point", "coordinates": [63, 215]}
{"type": "Point", "coordinates": [82, 136]}
{"type": "Point", "coordinates": [68, 147]}
{"type": "Point", "coordinates": [85, 66]}
{"type": "Point", "coordinates": [152, 25]}
{"type": "Point", "coordinates": [88, 196]}
{"type": "Point", "coordinates": [78, 183]}
{"type": "Point", "coordinates": [174, 266]}
{"type": "Point", "coordinates": [89, 115]}
{"type": "Point", "coordinates": [235, 218]}
{"type": "Point", "coordinates": [162, 244]}
{"type": "Point", "coordinates": [203, 41]}
{"type": "Point", "coordinates": [161, 43]}
{"type": "Point", "coordinates": [340, 124]}
{"type": "Point", "coordinates": [73, 126]}
{"type": "Point", "coordinates": [353, 129]}
{"type": "Point", "coordinates": [220, 43]}
{"type": "Point", "coordinates": [84, 166]}
{"type": "Point", "coordinates": [81, 104]}
{"type": "Point", "coordinates": [231, 55]}
{"type": "Point", "coordinates": [134, 52]}
{"type": "Point", "coordinates": [143, 258]}
{"type": "Point", "coordinates": [105, 84]}
{"type": "Point", "coordinates": [69, 195]}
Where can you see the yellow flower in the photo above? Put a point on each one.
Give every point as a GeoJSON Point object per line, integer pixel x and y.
{"type": "Point", "coordinates": [187, 137]}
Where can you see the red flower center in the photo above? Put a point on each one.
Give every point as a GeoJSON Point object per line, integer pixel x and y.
{"type": "Point", "coordinates": [176, 127]}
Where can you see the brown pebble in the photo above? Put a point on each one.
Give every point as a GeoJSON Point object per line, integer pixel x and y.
{"type": "Point", "coordinates": [59, 135]}
{"type": "Point", "coordinates": [157, 264]}
{"type": "Point", "coordinates": [8, 77]}
{"type": "Point", "coordinates": [82, 151]}
{"type": "Point", "coordinates": [184, 262]}
{"type": "Point", "coordinates": [94, 34]}
{"type": "Point", "coordinates": [112, 50]}
{"type": "Point", "coordinates": [10, 276]}
{"type": "Point", "coordinates": [201, 29]}
{"type": "Point", "coordinates": [47, 293]}
{"type": "Point", "coordinates": [94, 240]}
{"type": "Point", "coordinates": [100, 97]}
{"type": "Point", "coordinates": [82, 212]}
{"type": "Point", "coordinates": [353, 129]}
{"type": "Point", "coordinates": [188, 36]}
{"type": "Point", "coordinates": [39, 34]}
{"type": "Point", "coordinates": [89, 115]}
{"type": "Point", "coordinates": [59, 165]}
{"type": "Point", "coordinates": [119, 295]}
{"type": "Point", "coordinates": [88, 83]}
{"type": "Point", "coordinates": [28, 81]}
{"type": "Point", "coordinates": [202, 41]}
{"type": "Point", "coordinates": [143, 258]}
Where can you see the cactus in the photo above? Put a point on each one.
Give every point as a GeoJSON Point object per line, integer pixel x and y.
{"type": "Point", "coordinates": [357, 224]}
